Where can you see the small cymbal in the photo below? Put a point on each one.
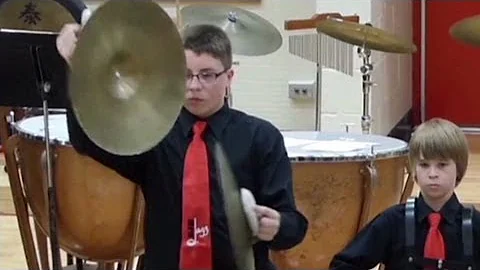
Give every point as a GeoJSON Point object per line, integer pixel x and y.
{"type": "Point", "coordinates": [361, 34]}
{"type": "Point", "coordinates": [127, 80]}
{"type": "Point", "coordinates": [250, 34]}
{"type": "Point", "coordinates": [467, 30]}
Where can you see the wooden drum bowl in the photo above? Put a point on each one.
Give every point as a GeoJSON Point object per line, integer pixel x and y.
{"type": "Point", "coordinates": [97, 209]}
{"type": "Point", "coordinates": [337, 192]}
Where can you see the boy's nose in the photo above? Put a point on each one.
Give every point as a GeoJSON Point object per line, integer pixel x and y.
{"type": "Point", "coordinates": [432, 172]}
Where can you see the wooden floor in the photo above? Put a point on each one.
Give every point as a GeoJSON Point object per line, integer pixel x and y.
{"type": "Point", "coordinates": [11, 251]}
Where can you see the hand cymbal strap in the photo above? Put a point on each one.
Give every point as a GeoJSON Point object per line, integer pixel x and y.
{"type": "Point", "coordinates": [45, 89]}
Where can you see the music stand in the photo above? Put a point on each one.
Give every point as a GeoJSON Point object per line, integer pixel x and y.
{"type": "Point", "coordinates": [20, 54]}
{"type": "Point", "coordinates": [36, 54]}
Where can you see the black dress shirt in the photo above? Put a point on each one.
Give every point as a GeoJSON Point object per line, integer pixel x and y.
{"type": "Point", "coordinates": [383, 240]}
{"type": "Point", "coordinates": [257, 155]}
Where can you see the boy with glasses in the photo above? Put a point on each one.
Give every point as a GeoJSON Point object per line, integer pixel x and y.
{"type": "Point", "coordinates": [185, 221]}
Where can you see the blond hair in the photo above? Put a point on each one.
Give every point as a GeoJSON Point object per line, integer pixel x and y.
{"type": "Point", "coordinates": [438, 138]}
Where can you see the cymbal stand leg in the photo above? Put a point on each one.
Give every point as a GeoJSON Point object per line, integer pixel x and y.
{"type": "Point", "coordinates": [45, 88]}
{"type": "Point", "coordinates": [318, 111]}
{"type": "Point", "coordinates": [366, 69]}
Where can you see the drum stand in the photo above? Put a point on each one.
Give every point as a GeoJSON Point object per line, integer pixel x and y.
{"type": "Point", "coordinates": [366, 69]}
{"type": "Point", "coordinates": [45, 88]}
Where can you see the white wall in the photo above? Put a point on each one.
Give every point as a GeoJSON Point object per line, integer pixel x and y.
{"type": "Point", "coordinates": [391, 97]}
{"type": "Point", "coordinates": [393, 72]}
{"type": "Point", "coordinates": [261, 86]}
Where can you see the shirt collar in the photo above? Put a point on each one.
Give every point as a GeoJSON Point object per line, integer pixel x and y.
{"type": "Point", "coordinates": [216, 122]}
{"type": "Point", "coordinates": [448, 211]}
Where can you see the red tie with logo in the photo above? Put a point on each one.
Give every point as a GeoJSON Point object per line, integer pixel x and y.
{"type": "Point", "coordinates": [196, 252]}
{"type": "Point", "coordinates": [434, 245]}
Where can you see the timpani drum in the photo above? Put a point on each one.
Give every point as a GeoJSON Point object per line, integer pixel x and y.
{"type": "Point", "coordinates": [96, 207]}
{"type": "Point", "coordinates": [340, 184]}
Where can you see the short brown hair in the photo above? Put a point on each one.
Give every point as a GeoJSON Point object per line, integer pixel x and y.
{"type": "Point", "coordinates": [438, 138]}
{"type": "Point", "coordinates": [209, 39]}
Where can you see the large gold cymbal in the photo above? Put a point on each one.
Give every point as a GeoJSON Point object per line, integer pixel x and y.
{"type": "Point", "coordinates": [127, 79]}
{"type": "Point", "coordinates": [467, 30]}
{"type": "Point", "coordinates": [361, 34]}
{"type": "Point", "coordinates": [250, 34]}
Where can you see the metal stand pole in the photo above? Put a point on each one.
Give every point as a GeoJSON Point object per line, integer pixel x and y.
{"type": "Point", "coordinates": [45, 88]}
{"type": "Point", "coordinates": [366, 69]}
{"type": "Point", "coordinates": [318, 109]}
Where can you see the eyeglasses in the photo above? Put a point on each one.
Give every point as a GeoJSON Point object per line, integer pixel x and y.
{"type": "Point", "coordinates": [205, 78]}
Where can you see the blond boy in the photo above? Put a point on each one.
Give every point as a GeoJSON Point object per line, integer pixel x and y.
{"type": "Point", "coordinates": [433, 231]}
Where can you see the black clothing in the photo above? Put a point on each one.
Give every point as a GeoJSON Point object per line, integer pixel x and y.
{"type": "Point", "coordinates": [258, 158]}
{"type": "Point", "coordinates": [383, 240]}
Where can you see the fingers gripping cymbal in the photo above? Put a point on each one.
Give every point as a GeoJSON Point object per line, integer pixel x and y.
{"type": "Point", "coordinates": [127, 78]}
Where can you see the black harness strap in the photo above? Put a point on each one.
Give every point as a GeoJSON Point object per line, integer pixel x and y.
{"type": "Point", "coordinates": [410, 232]}
{"type": "Point", "coordinates": [467, 235]}
{"type": "Point", "coordinates": [416, 262]}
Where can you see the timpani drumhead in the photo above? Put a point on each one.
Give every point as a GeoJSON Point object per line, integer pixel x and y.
{"type": "Point", "coordinates": [307, 146]}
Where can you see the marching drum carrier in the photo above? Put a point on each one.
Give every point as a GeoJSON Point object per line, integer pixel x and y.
{"type": "Point", "coordinates": [341, 184]}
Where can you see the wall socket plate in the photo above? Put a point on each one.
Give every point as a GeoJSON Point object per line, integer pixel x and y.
{"type": "Point", "coordinates": [301, 89]}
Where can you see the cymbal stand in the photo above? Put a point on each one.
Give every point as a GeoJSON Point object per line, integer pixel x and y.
{"type": "Point", "coordinates": [366, 69]}
{"type": "Point", "coordinates": [45, 88]}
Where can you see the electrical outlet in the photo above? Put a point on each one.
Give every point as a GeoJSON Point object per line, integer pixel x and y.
{"type": "Point", "coordinates": [301, 89]}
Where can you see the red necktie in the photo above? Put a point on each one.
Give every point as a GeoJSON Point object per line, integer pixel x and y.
{"type": "Point", "coordinates": [434, 246]}
{"type": "Point", "coordinates": [196, 252]}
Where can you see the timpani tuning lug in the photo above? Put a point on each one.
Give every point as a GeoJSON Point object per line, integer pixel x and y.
{"type": "Point", "coordinates": [347, 126]}
{"type": "Point", "coordinates": [372, 168]}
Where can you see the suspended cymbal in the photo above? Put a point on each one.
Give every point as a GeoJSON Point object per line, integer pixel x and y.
{"type": "Point", "coordinates": [467, 30]}
{"type": "Point", "coordinates": [360, 34]}
{"type": "Point", "coordinates": [127, 79]}
{"type": "Point", "coordinates": [250, 34]}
